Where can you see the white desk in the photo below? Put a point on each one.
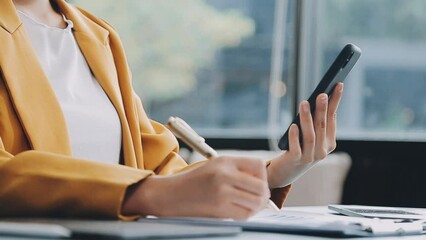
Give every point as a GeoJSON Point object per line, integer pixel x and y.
{"type": "Point", "coordinates": [273, 236]}
{"type": "Point", "coordinates": [260, 236]}
{"type": "Point", "coordinates": [247, 235]}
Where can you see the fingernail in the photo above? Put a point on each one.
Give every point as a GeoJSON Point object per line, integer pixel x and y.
{"type": "Point", "coordinates": [305, 106]}
{"type": "Point", "coordinates": [323, 98]}
{"type": "Point", "coordinates": [341, 87]}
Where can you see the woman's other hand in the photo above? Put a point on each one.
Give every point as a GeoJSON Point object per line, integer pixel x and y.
{"type": "Point", "coordinates": [319, 139]}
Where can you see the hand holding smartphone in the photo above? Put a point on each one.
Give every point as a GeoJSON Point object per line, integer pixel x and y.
{"type": "Point", "coordinates": [337, 72]}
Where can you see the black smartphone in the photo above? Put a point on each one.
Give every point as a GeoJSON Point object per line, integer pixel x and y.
{"type": "Point", "coordinates": [337, 72]}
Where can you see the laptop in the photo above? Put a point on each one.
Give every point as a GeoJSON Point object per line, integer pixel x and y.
{"type": "Point", "coordinates": [378, 212]}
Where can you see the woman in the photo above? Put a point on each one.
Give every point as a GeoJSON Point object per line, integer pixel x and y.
{"type": "Point", "coordinates": [76, 142]}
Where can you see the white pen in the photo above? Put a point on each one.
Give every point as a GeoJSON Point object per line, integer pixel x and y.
{"type": "Point", "coordinates": [271, 205]}
{"type": "Point", "coordinates": [183, 131]}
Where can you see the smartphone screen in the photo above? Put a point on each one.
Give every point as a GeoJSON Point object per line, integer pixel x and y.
{"type": "Point", "coordinates": [337, 72]}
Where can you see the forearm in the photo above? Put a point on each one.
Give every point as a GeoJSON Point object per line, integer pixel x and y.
{"type": "Point", "coordinates": [62, 186]}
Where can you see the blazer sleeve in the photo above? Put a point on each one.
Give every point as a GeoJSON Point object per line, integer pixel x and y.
{"type": "Point", "coordinates": [278, 195]}
{"type": "Point", "coordinates": [35, 183]}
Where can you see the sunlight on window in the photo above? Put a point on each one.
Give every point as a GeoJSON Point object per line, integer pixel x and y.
{"type": "Point", "coordinates": [168, 43]}
{"type": "Point", "coordinates": [206, 61]}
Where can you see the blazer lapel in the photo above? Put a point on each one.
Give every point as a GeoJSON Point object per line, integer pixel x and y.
{"type": "Point", "coordinates": [30, 91]}
{"type": "Point", "coordinates": [94, 43]}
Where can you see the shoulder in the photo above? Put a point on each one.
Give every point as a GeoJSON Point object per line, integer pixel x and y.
{"type": "Point", "coordinates": [101, 22]}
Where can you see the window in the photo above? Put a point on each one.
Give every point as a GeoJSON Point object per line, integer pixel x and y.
{"type": "Point", "coordinates": [237, 69]}
{"type": "Point", "coordinates": [385, 94]}
{"type": "Point", "coordinates": [210, 61]}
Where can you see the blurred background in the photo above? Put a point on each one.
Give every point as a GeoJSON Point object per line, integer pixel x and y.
{"type": "Point", "coordinates": [237, 70]}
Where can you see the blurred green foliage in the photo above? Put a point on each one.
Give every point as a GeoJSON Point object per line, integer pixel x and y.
{"type": "Point", "coordinates": [167, 42]}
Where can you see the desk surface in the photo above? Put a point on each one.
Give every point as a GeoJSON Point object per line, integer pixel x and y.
{"type": "Point", "coordinates": [261, 236]}
{"type": "Point", "coordinates": [271, 236]}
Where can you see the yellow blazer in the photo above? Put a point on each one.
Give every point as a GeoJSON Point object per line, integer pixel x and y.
{"type": "Point", "coordinates": [38, 175]}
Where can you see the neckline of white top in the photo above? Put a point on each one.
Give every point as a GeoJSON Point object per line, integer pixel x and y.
{"type": "Point", "coordinates": [69, 23]}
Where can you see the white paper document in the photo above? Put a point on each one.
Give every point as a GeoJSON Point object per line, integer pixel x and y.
{"type": "Point", "coordinates": [373, 226]}
{"type": "Point", "coordinates": [310, 223]}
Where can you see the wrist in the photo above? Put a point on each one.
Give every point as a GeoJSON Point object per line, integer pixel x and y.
{"type": "Point", "coordinates": [284, 173]}
{"type": "Point", "coordinates": [271, 176]}
{"type": "Point", "coordinates": [144, 198]}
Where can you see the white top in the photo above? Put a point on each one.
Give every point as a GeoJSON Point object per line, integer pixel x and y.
{"type": "Point", "coordinates": [93, 124]}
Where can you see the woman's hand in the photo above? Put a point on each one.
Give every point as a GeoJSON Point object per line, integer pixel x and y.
{"type": "Point", "coordinates": [319, 139]}
{"type": "Point", "coordinates": [223, 187]}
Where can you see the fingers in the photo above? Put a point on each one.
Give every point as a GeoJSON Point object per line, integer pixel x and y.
{"type": "Point", "coordinates": [239, 213]}
{"type": "Point", "coordinates": [293, 138]}
{"type": "Point", "coordinates": [251, 177]}
{"type": "Point", "coordinates": [243, 188]}
{"type": "Point", "coordinates": [251, 184]}
{"type": "Point", "coordinates": [320, 139]}
{"type": "Point", "coordinates": [248, 201]}
{"type": "Point", "coordinates": [331, 115]}
{"type": "Point", "coordinates": [335, 98]}
{"type": "Point", "coordinates": [320, 121]}
{"type": "Point", "coordinates": [234, 211]}
{"type": "Point", "coordinates": [240, 204]}
{"type": "Point", "coordinates": [308, 132]}
{"type": "Point", "coordinates": [254, 167]}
